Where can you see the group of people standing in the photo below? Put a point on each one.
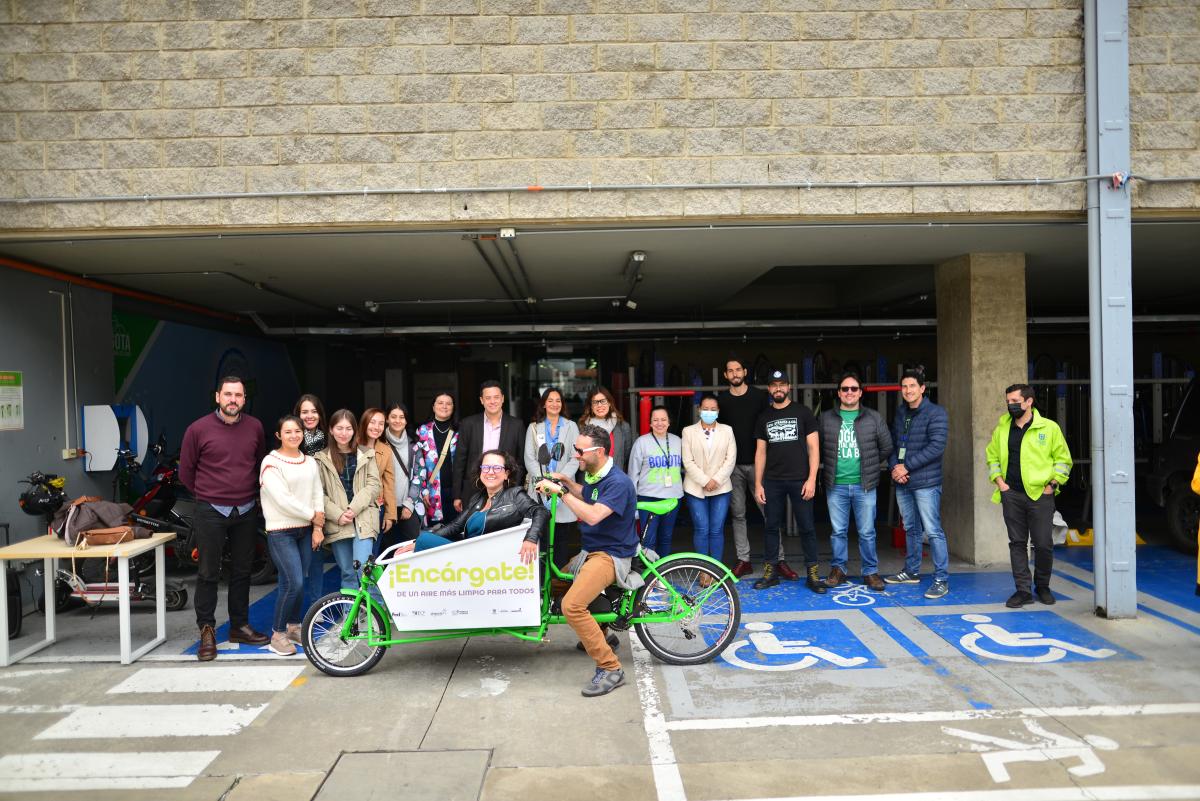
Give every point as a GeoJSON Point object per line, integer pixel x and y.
{"type": "Point", "coordinates": [353, 485]}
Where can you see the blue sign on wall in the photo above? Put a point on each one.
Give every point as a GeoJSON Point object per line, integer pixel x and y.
{"type": "Point", "coordinates": [1023, 637]}
{"type": "Point", "coordinates": [798, 645]}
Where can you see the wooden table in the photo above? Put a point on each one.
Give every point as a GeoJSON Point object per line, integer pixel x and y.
{"type": "Point", "coordinates": [51, 549]}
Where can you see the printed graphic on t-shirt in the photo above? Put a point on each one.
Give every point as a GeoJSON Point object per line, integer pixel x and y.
{"type": "Point", "coordinates": [847, 442]}
{"type": "Point", "coordinates": [782, 430]}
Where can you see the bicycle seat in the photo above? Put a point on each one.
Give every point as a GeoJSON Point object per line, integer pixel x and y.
{"type": "Point", "coordinates": [660, 507]}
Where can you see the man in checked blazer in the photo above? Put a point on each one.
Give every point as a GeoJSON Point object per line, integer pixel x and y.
{"type": "Point", "coordinates": [483, 432]}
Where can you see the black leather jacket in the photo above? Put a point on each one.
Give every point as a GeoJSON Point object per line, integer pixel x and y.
{"type": "Point", "coordinates": [510, 506]}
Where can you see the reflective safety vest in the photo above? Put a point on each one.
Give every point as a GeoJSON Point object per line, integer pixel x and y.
{"type": "Point", "coordinates": [1044, 455]}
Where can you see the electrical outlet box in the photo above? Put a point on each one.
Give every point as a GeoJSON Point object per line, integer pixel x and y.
{"type": "Point", "coordinates": [70, 453]}
{"type": "Point", "coordinates": [508, 233]}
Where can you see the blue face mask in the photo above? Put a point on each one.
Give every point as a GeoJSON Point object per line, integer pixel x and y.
{"type": "Point", "coordinates": [708, 416]}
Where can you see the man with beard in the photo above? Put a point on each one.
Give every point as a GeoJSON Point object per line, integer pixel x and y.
{"type": "Point", "coordinates": [785, 467]}
{"type": "Point", "coordinates": [219, 463]}
{"type": "Point", "coordinates": [740, 407]}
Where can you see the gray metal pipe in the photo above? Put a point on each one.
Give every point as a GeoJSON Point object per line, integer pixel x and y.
{"type": "Point", "coordinates": [510, 329]}
{"type": "Point", "coordinates": [1095, 340]}
{"type": "Point", "coordinates": [414, 190]}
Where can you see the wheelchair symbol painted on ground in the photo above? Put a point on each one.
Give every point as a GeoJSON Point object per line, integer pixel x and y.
{"type": "Point", "coordinates": [1045, 747]}
{"type": "Point", "coordinates": [1023, 637]}
{"type": "Point", "coordinates": [764, 650]}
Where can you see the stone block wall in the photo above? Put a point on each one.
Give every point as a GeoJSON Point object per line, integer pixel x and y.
{"type": "Point", "coordinates": [104, 98]}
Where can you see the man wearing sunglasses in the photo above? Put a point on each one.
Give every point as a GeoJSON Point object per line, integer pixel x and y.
{"type": "Point", "coordinates": [606, 506]}
{"type": "Point", "coordinates": [855, 443]}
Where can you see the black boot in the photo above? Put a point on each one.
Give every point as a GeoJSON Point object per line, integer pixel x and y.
{"type": "Point", "coordinates": [814, 580]}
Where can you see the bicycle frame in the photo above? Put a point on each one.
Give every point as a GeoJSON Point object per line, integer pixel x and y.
{"type": "Point", "coordinates": [680, 606]}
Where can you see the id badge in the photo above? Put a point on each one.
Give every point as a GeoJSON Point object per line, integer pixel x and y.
{"type": "Point", "coordinates": [668, 481]}
{"type": "Point", "coordinates": [900, 454]}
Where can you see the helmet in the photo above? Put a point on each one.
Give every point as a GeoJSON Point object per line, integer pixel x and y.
{"type": "Point", "coordinates": [45, 494]}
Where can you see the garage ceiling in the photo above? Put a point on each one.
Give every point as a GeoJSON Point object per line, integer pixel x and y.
{"type": "Point", "coordinates": [690, 272]}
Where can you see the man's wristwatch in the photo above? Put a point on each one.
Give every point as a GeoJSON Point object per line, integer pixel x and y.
{"type": "Point", "coordinates": [1053, 484]}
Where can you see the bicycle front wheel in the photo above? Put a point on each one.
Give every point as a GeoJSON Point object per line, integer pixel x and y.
{"type": "Point", "coordinates": [321, 636]}
{"type": "Point", "coordinates": [709, 625]}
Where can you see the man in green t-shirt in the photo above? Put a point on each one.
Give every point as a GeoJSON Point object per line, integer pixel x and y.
{"type": "Point", "coordinates": [855, 443]}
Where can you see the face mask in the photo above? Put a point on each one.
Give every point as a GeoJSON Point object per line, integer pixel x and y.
{"type": "Point", "coordinates": [708, 416]}
{"type": "Point", "coordinates": [1016, 410]}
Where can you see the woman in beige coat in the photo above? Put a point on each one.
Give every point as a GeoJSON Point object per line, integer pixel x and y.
{"type": "Point", "coordinates": [709, 454]}
{"type": "Point", "coordinates": [351, 484]}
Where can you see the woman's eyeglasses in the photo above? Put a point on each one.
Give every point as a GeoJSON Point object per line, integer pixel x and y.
{"type": "Point", "coordinates": [491, 468]}
{"type": "Point", "coordinates": [600, 402]}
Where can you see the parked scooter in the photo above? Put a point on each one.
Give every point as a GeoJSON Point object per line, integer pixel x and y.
{"type": "Point", "coordinates": [156, 509]}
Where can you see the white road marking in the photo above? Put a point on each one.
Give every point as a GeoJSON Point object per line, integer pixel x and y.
{"type": "Point", "coordinates": [226, 656]}
{"type": "Point", "coordinates": [712, 724]}
{"type": "Point", "coordinates": [37, 709]}
{"type": "Point", "coordinates": [667, 780]}
{"type": "Point", "coordinates": [1134, 792]}
{"type": "Point", "coordinates": [213, 678]}
{"type": "Point", "coordinates": [23, 773]}
{"type": "Point", "coordinates": [167, 720]}
{"type": "Point", "coordinates": [21, 674]}
{"type": "Point", "coordinates": [6, 690]}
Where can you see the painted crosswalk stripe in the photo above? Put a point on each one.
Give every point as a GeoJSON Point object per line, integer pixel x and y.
{"type": "Point", "coordinates": [260, 678]}
{"type": "Point", "coordinates": [167, 720]}
{"type": "Point", "coordinates": [25, 773]}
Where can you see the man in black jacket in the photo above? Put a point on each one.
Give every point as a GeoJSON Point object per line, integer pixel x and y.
{"type": "Point", "coordinates": [491, 430]}
{"type": "Point", "coordinates": [855, 442]}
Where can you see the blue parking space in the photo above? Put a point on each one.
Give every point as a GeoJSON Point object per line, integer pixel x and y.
{"type": "Point", "coordinates": [976, 589]}
{"type": "Point", "coordinates": [798, 645]}
{"type": "Point", "coordinates": [1030, 637]}
{"type": "Point", "coordinates": [1162, 573]}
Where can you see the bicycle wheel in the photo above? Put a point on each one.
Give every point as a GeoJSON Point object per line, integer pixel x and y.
{"type": "Point", "coordinates": [321, 636]}
{"type": "Point", "coordinates": [703, 633]}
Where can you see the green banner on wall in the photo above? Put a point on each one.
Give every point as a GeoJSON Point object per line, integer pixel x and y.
{"type": "Point", "coordinates": [131, 334]}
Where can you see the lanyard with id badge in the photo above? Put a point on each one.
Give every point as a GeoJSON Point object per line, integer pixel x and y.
{"type": "Point", "coordinates": [908, 418]}
{"type": "Point", "coordinates": [667, 480]}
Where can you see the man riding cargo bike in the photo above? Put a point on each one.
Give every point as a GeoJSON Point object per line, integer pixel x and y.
{"type": "Point", "coordinates": [684, 607]}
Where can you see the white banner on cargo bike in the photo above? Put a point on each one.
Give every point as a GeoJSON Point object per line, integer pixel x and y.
{"type": "Point", "coordinates": [476, 583]}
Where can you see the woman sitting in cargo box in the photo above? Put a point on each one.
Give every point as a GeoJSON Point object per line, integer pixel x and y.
{"type": "Point", "coordinates": [498, 505]}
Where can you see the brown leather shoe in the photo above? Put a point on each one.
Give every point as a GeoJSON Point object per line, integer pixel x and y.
{"type": "Point", "coordinates": [836, 577]}
{"type": "Point", "coordinates": [207, 651]}
{"type": "Point", "coordinates": [247, 635]}
{"type": "Point", "coordinates": [874, 583]}
{"type": "Point", "coordinates": [742, 569]}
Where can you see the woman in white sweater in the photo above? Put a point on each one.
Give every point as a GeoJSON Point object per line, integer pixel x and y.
{"type": "Point", "coordinates": [293, 508]}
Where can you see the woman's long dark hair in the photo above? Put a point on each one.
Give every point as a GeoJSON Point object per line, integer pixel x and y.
{"type": "Point", "coordinates": [540, 414]}
{"type": "Point", "coordinates": [613, 411]}
{"type": "Point", "coordinates": [408, 421]}
{"type": "Point", "coordinates": [320, 407]}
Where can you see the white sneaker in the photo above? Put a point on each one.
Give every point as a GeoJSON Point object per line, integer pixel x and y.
{"type": "Point", "coordinates": [280, 644]}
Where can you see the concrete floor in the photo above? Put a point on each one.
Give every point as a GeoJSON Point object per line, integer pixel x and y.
{"type": "Point", "coordinates": [904, 710]}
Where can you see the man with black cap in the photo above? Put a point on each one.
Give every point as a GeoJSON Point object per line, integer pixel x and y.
{"type": "Point", "coordinates": [785, 467]}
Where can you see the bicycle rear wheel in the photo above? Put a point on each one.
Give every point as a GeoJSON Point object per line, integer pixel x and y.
{"type": "Point", "coordinates": [321, 636]}
{"type": "Point", "coordinates": [706, 630]}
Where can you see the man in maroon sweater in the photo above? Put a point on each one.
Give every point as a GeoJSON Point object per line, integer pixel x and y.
{"type": "Point", "coordinates": [219, 463]}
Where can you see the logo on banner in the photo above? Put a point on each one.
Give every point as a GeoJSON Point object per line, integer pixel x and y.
{"type": "Point", "coordinates": [476, 583]}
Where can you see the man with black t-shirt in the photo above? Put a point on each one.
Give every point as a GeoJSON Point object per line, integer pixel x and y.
{"type": "Point", "coordinates": [740, 407]}
{"type": "Point", "coordinates": [786, 461]}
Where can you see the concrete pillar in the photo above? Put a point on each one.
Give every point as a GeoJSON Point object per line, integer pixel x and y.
{"type": "Point", "coordinates": [981, 350]}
